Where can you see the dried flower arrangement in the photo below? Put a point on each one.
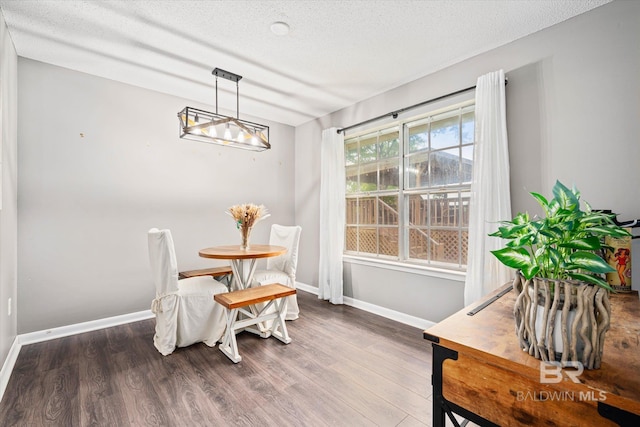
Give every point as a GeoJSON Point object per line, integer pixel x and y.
{"type": "Point", "coordinates": [246, 216]}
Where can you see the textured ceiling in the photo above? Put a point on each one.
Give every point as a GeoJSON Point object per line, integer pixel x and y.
{"type": "Point", "coordinates": [336, 53]}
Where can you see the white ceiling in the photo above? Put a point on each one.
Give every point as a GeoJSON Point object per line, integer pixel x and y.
{"type": "Point", "coordinates": [336, 53]}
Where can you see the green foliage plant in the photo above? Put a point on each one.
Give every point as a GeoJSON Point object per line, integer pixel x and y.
{"type": "Point", "coordinates": [565, 244]}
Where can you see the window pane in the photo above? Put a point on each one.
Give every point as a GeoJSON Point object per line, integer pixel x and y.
{"type": "Point", "coordinates": [447, 244]}
{"type": "Point", "coordinates": [465, 196]}
{"type": "Point", "coordinates": [390, 175]}
{"type": "Point", "coordinates": [351, 175]}
{"type": "Point", "coordinates": [351, 152]}
{"type": "Point", "coordinates": [368, 149]}
{"type": "Point", "coordinates": [445, 167]}
{"type": "Point", "coordinates": [444, 209]}
{"type": "Point", "coordinates": [418, 171]}
{"type": "Point", "coordinates": [467, 164]}
{"type": "Point", "coordinates": [418, 209]}
{"type": "Point", "coordinates": [351, 210]}
{"type": "Point", "coordinates": [418, 138]}
{"type": "Point", "coordinates": [464, 243]}
{"type": "Point", "coordinates": [468, 128]}
{"type": "Point", "coordinates": [388, 210]}
{"type": "Point", "coordinates": [419, 243]}
{"type": "Point", "coordinates": [368, 177]}
{"type": "Point", "coordinates": [368, 240]}
{"type": "Point", "coordinates": [389, 145]}
{"type": "Point", "coordinates": [445, 133]}
{"type": "Point", "coordinates": [367, 210]}
{"type": "Point", "coordinates": [388, 239]}
{"type": "Point", "coordinates": [351, 238]}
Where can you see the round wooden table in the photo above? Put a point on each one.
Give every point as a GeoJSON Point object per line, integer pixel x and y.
{"type": "Point", "coordinates": [242, 276]}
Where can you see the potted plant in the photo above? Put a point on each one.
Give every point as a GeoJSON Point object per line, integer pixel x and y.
{"type": "Point", "coordinates": [560, 267]}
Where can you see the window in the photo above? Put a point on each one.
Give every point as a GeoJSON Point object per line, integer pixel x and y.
{"type": "Point", "coordinates": [408, 187]}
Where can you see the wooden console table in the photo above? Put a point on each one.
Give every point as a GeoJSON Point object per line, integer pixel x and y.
{"type": "Point", "coordinates": [480, 373]}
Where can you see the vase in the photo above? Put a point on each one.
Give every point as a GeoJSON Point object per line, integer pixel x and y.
{"type": "Point", "coordinates": [245, 234]}
{"type": "Point", "coordinates": [562, 320]}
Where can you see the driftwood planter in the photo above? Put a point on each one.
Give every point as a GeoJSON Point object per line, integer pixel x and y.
{"type": "Point", "coordinates": [561, 320]}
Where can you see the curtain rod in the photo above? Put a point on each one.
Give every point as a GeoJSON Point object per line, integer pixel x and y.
{"type": "Point", "coordinates": [395, 113]}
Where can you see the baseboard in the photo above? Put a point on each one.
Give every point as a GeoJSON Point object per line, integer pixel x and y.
{"type": "Point", "coordinates": [8, 365]}
{"type": "Point", "coordinates": [389, 314]}
{"type": "Point", "coordinates": [78, 328]}
{"type": "Point", "coordinates": [376, 309]}
{"type": "Point", "coordinates": [307, 288]}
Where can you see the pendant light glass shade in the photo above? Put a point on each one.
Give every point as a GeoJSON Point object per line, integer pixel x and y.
{"type": "Point", "coordinates": [214, 128]}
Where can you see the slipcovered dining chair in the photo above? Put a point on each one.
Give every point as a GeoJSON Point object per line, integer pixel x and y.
{"type": "Point", "coordinates": [282, 269]}
{"type": "Point", "coordinates": [185, 310]}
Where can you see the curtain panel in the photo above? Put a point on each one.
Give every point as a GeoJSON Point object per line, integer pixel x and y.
{"type": "Point", "coordinates": [332, 216]}
{"type": "Point", "coordinates": [490, 196]}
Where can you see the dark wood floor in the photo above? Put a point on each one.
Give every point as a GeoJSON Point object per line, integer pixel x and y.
{"type": "Point", "coordinates": [345, 367]}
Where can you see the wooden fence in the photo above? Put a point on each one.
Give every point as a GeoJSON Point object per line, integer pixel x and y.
{"type": "Point", "coordinates": [434, 233]}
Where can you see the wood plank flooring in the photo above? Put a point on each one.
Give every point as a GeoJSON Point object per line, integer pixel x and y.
{"type": "Point", "coordinates": [344, 367]}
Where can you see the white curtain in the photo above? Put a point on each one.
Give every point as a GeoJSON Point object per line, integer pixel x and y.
{"type": "Point", "coordinates": [332, 205]}
{"type": "Point", "coordinates": [490, 198]}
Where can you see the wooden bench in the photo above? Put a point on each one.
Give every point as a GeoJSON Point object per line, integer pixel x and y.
{"type": "Point", "coordinates": [243, 301]}
{"type": "Point", "coordinates": [214, 272]}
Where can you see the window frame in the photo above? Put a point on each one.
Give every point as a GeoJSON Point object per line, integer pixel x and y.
{"type": "Point", "coordinates": [403, 260]}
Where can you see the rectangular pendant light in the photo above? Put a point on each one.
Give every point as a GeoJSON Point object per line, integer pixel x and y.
{"type": "Point", "coordinates": [214, 128]}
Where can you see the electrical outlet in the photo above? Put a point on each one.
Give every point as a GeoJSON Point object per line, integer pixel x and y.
{"type": "Point", "coordinates": [9, 307]}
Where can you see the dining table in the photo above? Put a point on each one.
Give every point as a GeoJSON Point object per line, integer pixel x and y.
{"type": "Point", "coordinates": [243, 261]}
{"type": "Point", "coordinates": [243, 265]}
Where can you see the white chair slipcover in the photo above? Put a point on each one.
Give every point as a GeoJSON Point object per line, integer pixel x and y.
{"type": "Point", "coordinates": [282, 269]}
{"type": "Point", "coordinates": [185, 310]}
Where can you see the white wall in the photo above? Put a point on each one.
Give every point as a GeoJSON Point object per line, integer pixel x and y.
{"type": "Point", "coordinates": [573, 114]}
{"type": "Point", "coordinates": [87, 201]}
{"type": "Point", "coordinates": [100, 164]}
{"type": "Point", "coordinates": [8, 189]}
